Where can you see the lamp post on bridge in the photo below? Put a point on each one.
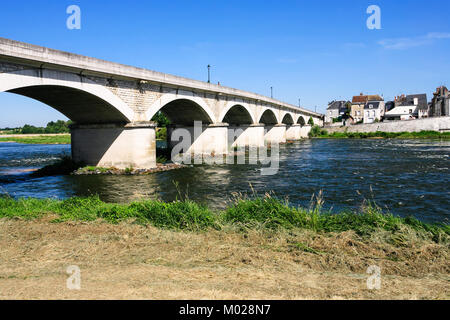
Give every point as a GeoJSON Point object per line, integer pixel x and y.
{"type": "Point", "coordinates": [271, 92]}
{"type": "Point", "coordinates": [209, 73]}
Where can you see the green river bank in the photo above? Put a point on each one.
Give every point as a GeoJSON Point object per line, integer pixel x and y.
{"type": "Point", "coordinates": [244, 213]}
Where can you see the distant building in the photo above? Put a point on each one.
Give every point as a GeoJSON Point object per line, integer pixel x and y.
{"type": "Point", "coordinates": [440, 103]}
{"type": "Point", "coordinates": [402, 112]}
{"type": "Point", "coordinates": [413, 106]}
{"type": "Point", "coordinates": [359, 104]}
{"type": "Point", "coordinates": [357, 107]}
{"type": "Point", "coordinates": [389, 105]}
{"type": "Point", "coordinates": [332, 112]}
{"type": "Point", "coordinates": [374, 109]}
{"type": "Point", "coordinates": [344, 109]}
{"type": "Point", "coordinates": [335, 110]}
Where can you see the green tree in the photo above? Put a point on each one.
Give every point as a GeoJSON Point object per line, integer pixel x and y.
{"type": "Point", "coordinates": [161, 120]}
{"type": "Point", "coordinates": [28, 129]}
{"type": "Point", "coordinates": [311, 121]}
{"type": "Point", "coordinates": [59, 126]}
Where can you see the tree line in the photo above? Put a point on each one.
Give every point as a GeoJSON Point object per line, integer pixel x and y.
{"type": "Point", "coordinates": [59, 126]}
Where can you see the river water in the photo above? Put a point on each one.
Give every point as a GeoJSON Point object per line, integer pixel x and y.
{"type": "Point", "coordinates": [405, 177]}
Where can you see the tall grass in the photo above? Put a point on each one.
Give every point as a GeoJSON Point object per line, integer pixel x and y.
{"type": "Point", "coordinates": [183, 215]}
{"type": "Point", "coordinates": [265, 212]}
{"type": "Point", "coordinates": [273, 213]}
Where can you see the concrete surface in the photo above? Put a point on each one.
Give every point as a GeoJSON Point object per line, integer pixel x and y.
{"type": "Point", "coordinates": [427, 124]}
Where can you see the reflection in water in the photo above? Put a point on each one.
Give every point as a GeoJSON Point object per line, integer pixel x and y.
{"type": "Point", "coordinates": [407, 177]}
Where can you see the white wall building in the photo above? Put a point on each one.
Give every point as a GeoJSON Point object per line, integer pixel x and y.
{"type": "Point", "coordinates": [409, 107]}
{"type": "Point", "coordinates": [332, 111]}
{"type": "Point", "coordinates": [331, 114]}
{"type": "Point", "coordinates": [402, 113]}
{"type": "Point", "coordinates": [373, 111]}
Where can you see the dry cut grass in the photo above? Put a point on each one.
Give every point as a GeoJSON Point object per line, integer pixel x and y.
{"type": "Point", "coordinates": [130, 261]}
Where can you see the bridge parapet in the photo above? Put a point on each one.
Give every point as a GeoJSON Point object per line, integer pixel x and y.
{"type": "Point", "coordinates": [136, 86]}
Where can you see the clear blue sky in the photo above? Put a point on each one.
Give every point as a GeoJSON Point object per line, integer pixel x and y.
{"type": "Point", "coordinates": [315, 50]}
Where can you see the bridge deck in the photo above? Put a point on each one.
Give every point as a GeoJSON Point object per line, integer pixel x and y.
{"type": "Point", "coordinates": [33, 55]}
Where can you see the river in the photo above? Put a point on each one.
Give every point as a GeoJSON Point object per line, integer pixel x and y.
{"type": "Point", "coordinates": [405, 177]}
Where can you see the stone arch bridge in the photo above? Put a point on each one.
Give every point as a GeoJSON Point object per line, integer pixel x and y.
{"type": "Point", "coordinates": [112, 106]}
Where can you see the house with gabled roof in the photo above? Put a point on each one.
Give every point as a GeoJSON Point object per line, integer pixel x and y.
{"type": "Point", "coordinates": [335, 110]}
{"type": "Point", "coordinates": [357, 107]}
{"type": "Point", "coordinates": [362, 111]}
{"type": "Point", "coordinates": [374, 109]}
{"type": "Point", "coordinates": [414, 106]}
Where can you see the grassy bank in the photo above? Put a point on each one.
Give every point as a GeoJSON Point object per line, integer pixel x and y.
{"type": "Point", "coordinates": [258, 248]}
{"type": "Point", "coordinates": [264, 213]}
{"type": "Point", "coordinates": [39, 139]}
{"type": "Point", "coordinates": [318, 132]}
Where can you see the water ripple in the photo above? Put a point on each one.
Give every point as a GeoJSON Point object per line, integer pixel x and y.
{"type": "Point", "coordinates": [403, 177]}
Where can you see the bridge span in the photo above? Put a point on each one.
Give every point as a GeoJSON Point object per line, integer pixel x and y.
{"type": "Point", "coordinates": [112, 106]}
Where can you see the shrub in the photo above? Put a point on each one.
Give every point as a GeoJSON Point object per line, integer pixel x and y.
{"type": "Point", "coordinates": [315, 132]}
{"type": "Point", "coordinates": [161, 134]}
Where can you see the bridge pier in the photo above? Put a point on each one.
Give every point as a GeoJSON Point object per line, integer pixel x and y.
{"type": "Point", "coordinates": [246, 136]}
{"type": "Point", "coordinates": [304, 132]}
{"type": "Point", "coordinates": [293, 132]}
{"type": "Point", "coordinates": [275, 134]}
{"type": "Point", "coordinates": [114, 145]}
{"type": "Point", "coordinates": [199, 140]}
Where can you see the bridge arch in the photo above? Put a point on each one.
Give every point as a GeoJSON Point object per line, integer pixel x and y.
{"type": "Point", "coordinates": [182, 109]}
{"type": "Point", "coordinates": [288, 119]}
{"type": "Point", "coordinates": [79, 99]}
{"type": "Point", "coordinates": [301, 121]}
{"type": "Point", "coordinates": [236, 113]}
{"type": "Point", "coordinates": [268, 117]}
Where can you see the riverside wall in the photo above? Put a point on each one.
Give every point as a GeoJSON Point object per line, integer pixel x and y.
{"type": "Point", "coordinates": [441, 124]}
